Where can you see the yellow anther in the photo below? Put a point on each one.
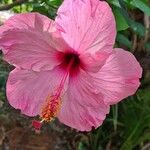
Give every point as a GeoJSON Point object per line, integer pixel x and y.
{"type": "Point", "coordinates": [51, 108]}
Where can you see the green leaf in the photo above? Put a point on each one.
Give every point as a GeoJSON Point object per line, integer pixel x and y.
{"type": "Point", "coordinates": [56, 2]}
{"type": "Point", "coordinates": [120, 21]}
{"type": "Point", "coordinates": [137, 27]}
{"type": "Point", "coordinates": [114, 2]}
{"type": "Point", "coordinates": [82, 146]}
{"type": "Point", "coordinates": [141, 5]}
{"type": "Point", "coordinates": [147, 46]}
{"type": "Point", "coordinates": [136, 119]}
{"type": "Point", "coordinates": [144, 94]}
{"type": "Point", "coordinates": [145, 137]}
{"type": "Point", "coordinates": [123, 40]}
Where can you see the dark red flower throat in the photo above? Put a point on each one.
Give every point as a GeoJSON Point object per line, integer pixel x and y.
{"type": "Point", "coordinates": [67, 58]}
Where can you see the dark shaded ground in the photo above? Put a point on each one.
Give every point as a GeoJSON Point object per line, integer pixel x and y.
{"type": "Point", "coordinates": [16, 133]}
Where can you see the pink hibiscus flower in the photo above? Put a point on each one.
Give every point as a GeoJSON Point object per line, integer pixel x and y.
{"type": "Point", "coordinates": [68, 68]}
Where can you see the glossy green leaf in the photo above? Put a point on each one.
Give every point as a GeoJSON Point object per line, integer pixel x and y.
{"type": "Point", "coordinates": [56, 2]}
{"type": "Point", "coordinates": [120, 20]}
{"type": "Point", "coordinates": [135, 26]}
{"type": "Point", "coordinates": [122, 39]}
{"type": "Point", "coordinates": [141, 5]}
{"type": "Point", "coordinates": [114, 2]}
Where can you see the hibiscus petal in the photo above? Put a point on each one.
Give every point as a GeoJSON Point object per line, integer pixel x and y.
{"type": "Point", "coordinates": [93, 63]}
{"type": "Point", "coordinates": [29, 21]}
{"type": "Point", "coordinates": [87, 25]}
{"type": "Point", "coordinates": [82, 108]}
{"type": "Point", "coordinates": [119, 76]}
{"type": "Point", "coordinates": [35, 44]}
{"type": "Point", "coordinates": [28, 90]}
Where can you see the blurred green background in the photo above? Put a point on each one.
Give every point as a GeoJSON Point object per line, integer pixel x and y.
{"type": "Point", "coordinates": [127, 127]}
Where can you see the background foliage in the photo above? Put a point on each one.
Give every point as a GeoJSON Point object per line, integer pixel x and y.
{"type": "Point", "coordinates": [127, 127]}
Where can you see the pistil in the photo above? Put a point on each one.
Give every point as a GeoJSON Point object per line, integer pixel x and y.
{"type": "Point", "coordinates": [53, 102]}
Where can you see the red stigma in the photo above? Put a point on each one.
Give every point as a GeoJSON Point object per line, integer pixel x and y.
{"type": "Point", "coordinates": [36, 124]}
